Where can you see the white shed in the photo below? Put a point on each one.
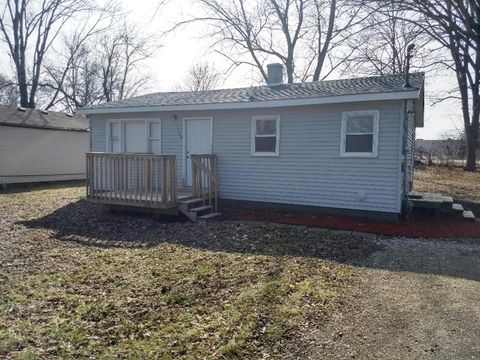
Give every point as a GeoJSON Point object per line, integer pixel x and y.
{"type": "Point", "coordinates": [37, 146]}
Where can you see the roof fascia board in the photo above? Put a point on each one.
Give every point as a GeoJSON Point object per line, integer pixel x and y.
{"type": "Point", "coordinates": [403, 95]}
{"type": "Point", "coordinates": [28, 126]}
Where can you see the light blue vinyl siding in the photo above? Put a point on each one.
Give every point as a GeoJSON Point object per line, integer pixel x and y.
{"type": "Point", "coordinates": [172, 141]}
{"type": "Point", "coordinates": [309, 169]}
{"type": "Point", "coordinates": [410, 146]}
{"type": "Point", "coordinates": [98, 134]}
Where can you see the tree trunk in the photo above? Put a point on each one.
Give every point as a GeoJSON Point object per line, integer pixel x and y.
{"type": "Point", "coordinates": [22, 87]}
{"type": "Point", "coordinates": [471, 150]}
{"type": "Point", "coordinates": [19, 60]}
{"type": "Point", "coordinates": [472, 130]}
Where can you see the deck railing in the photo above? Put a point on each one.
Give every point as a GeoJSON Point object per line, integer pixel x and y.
{"type": "Point", "coordinates": [205, 178]}
{"type": "Point", "coordinates": [132, 179]}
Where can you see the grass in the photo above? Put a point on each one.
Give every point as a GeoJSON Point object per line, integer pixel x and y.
{"type": "Point", "coordinates": [451, 181]}
{"type": "Point", "coordinates": [77, 282]}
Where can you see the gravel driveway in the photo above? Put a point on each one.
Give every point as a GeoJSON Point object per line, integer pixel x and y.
{"type": "Point", "coordinates": [420, 300]}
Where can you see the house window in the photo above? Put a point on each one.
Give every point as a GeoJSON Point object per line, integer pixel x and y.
{"type": "Point", "coordinates": [359, 133]}
{"type": "Point", "coordinates": [136, 136]}
{"type": "Point", "coordinates": [265, 135]}
{"type": "Point", "coordinates": [114, 131]}
{"type": "Point", "coordinates": [153, 137]}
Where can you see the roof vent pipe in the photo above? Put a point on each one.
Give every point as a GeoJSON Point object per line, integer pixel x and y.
{"type": "Point", "coordinates": [407, 69]}
{"type": "Point", "coordinates": [274, 74]}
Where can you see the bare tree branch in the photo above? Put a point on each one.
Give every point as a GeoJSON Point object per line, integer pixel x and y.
{"type": "Point", "coordinates": [200, 77]}
{"type": "Point", "coordinates": [29, 28]}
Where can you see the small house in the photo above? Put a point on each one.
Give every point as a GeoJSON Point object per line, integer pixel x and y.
{"type": "Point", "coordinates": [341, 147]}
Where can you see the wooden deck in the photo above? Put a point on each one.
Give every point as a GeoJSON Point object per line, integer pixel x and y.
{"type": "Point", "coordinates": [150, 181]}
{"type": "Point", "coordinates": [143, 200]}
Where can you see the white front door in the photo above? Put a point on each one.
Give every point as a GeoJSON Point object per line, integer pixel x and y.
{"type": "Point", "coordinates": [198, 140]}
{"type": "Point", "coordinates": [135, 137]}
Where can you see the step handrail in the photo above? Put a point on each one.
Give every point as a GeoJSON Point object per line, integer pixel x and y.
{"type": "Point", "coordinates": [205, 178]}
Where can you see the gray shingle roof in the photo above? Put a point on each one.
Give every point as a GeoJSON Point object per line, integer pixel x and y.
{"type": "Point", "coordinates": [307, 90]}
{"type": "Point", "coordinates": [34, 118]}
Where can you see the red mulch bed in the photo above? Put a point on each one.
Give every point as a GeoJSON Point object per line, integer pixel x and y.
{"type": "Point", "coordinates": [412, 227]}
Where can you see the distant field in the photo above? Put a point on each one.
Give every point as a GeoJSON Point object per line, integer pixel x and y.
{"type": "Point", "coordinates": [452, 181]}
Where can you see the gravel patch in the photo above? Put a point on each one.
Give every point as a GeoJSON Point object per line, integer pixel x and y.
{"type": "Point", "coordinates": [420, 300]}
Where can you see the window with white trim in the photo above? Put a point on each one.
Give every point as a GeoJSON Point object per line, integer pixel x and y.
{"type": "Point", "coordinates": [153, 137]}
{"type": "Point", "coordinates": [114, 135]}
{"type": "Point", "coordinates": [360, 133]}
{"type": "Point", "coordinates": [265, 135]}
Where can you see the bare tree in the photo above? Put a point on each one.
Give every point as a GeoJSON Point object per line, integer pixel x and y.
{"type": "Point", "coordinates": [381, 48]}
{"type": "Point", "coordinates": [8, 91]}
{"type": "Point", "coordinates": [104, 66]}
{"type": "Point", "coordinates": [70, 58]}
{"type": "Point", "coordinates": [74, 83]}
{"type": "Point", "coordinates": [29, 27]}
{"type": "Point", "coordinates": [122, 53]}
{"type": "Point", "coordinates": [455, 25]}
{"type": "Point", "coordinates": [300, 34]}
{"type": "Point", "coordinates": [201, 77]}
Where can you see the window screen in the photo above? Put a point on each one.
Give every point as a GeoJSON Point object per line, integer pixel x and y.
{"type": "Point", "coordinates": [265, 136]}
{"type": "Point", "coordinates": [359, 133]}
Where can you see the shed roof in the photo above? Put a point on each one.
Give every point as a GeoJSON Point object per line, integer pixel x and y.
{"type": "Point", "coordinates": [35, 118]}
{"type": "Point", "coordinates": [329, 91]}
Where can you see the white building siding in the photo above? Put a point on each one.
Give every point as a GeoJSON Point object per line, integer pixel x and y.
{"type": "Point", "coordinates": [31, 155]}
{"type": "Point", "coordinates": [309, 170]}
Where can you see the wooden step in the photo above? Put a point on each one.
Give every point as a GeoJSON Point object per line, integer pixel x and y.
{"type": "Point", "coordinates": [468, 215]}
{"type": "Point", "coordinates": [209, 216]}
{"type": "Point", "coordinates": [201, 209]}
{"type": "Point", "coordinates": [457, 208]}
{"type": "Point", "coordinates": [196, 209]}
{"type": "Point", "coordinates": [191, 201]}
{"type": "Point", "coordinates": [185, 206]}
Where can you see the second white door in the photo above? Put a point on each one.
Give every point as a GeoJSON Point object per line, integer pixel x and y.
{"type": "Point", "coordinates": [198, 140]}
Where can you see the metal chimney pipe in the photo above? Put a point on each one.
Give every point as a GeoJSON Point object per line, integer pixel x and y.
{"type": "Point", "coordinates": [407, 70]}
{"type": "Point", "coordinates": [274, 74]}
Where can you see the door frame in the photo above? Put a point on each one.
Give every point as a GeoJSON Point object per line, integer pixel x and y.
{"type": "Point", "coordinates": [184, 145]}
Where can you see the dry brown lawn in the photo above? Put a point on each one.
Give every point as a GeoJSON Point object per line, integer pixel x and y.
{"type": "Point", "coordinates": [449, 181]}
{"type": "Point", "coordinates": [79, 282]}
